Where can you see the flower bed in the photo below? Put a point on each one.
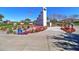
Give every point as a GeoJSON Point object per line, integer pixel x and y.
{"type": "Point", "coordinates": [68, 29]}
{"type": "Point", "coordinates": [39, 28]}
{"type": "Point", "coordinates": [21, 31]}
{"type": "Point", "coordinates": [34, 29]}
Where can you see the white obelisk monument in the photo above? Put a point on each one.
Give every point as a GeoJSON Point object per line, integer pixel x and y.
{"type": "Point", "coordinates": [44, 16]}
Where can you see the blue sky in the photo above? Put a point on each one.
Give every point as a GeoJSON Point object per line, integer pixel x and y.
{"type": "Point", "coordinates": [63, 10]}
{"type": "Point", "coordinates": [20, 13]}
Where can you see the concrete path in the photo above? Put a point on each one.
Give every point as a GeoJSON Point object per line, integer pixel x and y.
{"type": "Point", "coordinates": [35, 41]}
{"type": "Point", "coordinates": [32, 42]}
{"type": "Point", "coordinates": [25, 42]}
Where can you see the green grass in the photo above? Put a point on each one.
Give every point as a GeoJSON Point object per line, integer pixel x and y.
{"type": "Point", "coordinates": [9, 25]}
{"type": "Point", "coordinates": [6, 25]}
{"type": "Point", "coordinates": [76, 23]}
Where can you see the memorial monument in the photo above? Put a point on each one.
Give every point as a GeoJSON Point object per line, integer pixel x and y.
{"type": "Point", "coordinates": [42, 18]}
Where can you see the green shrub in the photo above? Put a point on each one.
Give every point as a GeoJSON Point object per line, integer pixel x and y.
{"type": "Point", "coordinates": [10, 31]}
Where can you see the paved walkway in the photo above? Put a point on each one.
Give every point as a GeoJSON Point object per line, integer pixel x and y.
{"type": "Point", "coordinates": [32, 42]}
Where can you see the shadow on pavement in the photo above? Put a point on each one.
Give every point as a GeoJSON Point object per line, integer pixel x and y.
{"type": "Point", "coordinates": [69, 42]}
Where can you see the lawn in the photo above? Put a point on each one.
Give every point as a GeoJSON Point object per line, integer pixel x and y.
{"type": "Point", "coordinates": [76, 23]}
{"type": "Point", "coordinates": [6, 25]}
{"type": "Point", "coordinates": [9, 26]}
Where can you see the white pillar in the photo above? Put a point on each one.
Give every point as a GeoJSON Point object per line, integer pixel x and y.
{"type": "Point", "coordinates": [44, 16]}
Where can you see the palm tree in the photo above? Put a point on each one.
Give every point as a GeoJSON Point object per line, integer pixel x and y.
{"type": "Point", "coordinates": [1, 16]}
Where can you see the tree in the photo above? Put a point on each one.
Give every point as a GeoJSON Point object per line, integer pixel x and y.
{"type": "Point", "coordinates": [57, 16]}
{"type": "Point", "coordinates": [27, 21]}
{"type": "Point", "coordinates": [1, 16]}
{"type": "Point", "coordinates": [34, 22]}
{"type": "Point", "coordinates": [53, 21]}
{"type": "Point", "coordinates": [74, 17]}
